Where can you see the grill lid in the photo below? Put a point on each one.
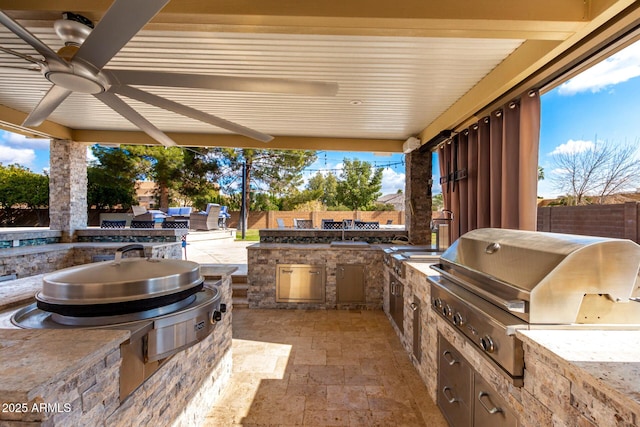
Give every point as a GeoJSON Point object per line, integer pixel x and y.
{"type": "Point", "coordinates": [129, 279]}
{"type": "Point", "coordinates": [532, 261]}
{"type": "Point", "coordinates": [549, 278]}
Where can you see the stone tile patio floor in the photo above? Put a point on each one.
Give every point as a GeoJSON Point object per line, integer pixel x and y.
{"type": "Point", "coordinates": [321, 368]}
{"type": "Point", "coordinates": [314, 367]}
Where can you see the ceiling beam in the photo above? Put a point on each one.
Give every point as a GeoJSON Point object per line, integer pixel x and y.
{"type": "Point", "coordinates": [237, 141]}
{"type": "Point", "coordinates": [540, 19]}
{"type": "Point", "coordinates": [11, 120]}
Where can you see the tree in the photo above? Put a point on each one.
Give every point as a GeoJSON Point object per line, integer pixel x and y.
{"type": "Point", "coordinates": [111, 178]}
{"type": "Point", "coordinates": [20, 186]}
{"type": "Point", "coordinates": [276, 172]}
{"type": "Point", "coordinates": [599, 170]}
{"type": "Point", "coordinates": [178, 173]}
{"type": "Point", "coordinates": [164, 165]}
{"type": "Point", "coordinates": [359, 185]}
{"type": "Point", "coordinates": [199, 176]}
{"type": "Point", "coordinates": [325, 188]}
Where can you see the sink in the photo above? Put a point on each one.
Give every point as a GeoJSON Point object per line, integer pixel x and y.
{"type": "Point", "coordinates": [349, 244]}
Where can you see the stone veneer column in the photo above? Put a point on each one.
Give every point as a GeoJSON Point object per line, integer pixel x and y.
{"type": "Point", "coordinates": [67, 187]}
{"type": "Point", "coordinates": [417, 210]}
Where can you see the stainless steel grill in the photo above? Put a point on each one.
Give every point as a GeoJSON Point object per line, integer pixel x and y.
{"type": "Point", "coordinates": [493, 281]}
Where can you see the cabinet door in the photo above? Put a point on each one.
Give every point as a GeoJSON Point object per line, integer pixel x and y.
{"type": "Point", "coordinates": [454, 385]}
{"type": "Point", "coordinates": [349, 283]}
{"type": "Point", "coordinates": [300, 283]}
{"type": "Point", "coordinates": [490, 410]}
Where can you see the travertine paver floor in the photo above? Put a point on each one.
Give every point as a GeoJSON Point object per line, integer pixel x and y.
{"type": "Point", "coordinates": [321, 368]}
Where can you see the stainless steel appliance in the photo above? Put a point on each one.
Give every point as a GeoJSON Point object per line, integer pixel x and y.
{"type": "Point", "coordinates": [164, 303]}
{"type": "Point", "coordinates": [394, 258]}
{"type": "Point", "coordinates": [493, 281]}
{"type": "Point", "coordinates": [300, 283]}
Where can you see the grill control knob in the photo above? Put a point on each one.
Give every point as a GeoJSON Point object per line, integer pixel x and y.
{"type": "Point", "coordinates": [223, 308]}
{"type": "Point", "coordinates": [487, 344]}
{"type": "Point", "coordinates": [458, 320]}
{"type": "Point", "coordinates": [437, 303]}
{"type": "Point", "coordinates": [217, 316]}
{"type": "Point", "coordinates": [446, 311]}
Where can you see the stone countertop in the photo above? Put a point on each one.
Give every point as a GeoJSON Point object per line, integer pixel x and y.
{"type": "Point", "coordinates": [609, 358]}
{"type": "Point", "coordinates": [19, 291]}
{"type": "Point", "coordinates": [314, 246]}
{"type": "Point", "coordinates": [20, 233]}
{"type": "Point", "coordinates": [217, 269]}
{"type": "Point", "coordinates": [33, 359]}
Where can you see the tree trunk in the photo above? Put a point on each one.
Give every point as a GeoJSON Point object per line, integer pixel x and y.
{"type": "Point", "coordinates": [164, 195]}
{"type": "Point", "coordinates": [247, 187]}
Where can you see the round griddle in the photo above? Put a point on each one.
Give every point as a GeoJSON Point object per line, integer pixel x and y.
{"type": "Point", "coordinates": [120, 287]}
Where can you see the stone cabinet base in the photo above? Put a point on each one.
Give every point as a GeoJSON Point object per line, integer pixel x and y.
{"type": "Point", "coordinates": [572, 377]}
{"type": "Point", "coordinates": [264, 258]}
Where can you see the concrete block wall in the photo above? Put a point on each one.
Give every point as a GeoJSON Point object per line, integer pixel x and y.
{"type": "Point", "coordinates": [617, 221]}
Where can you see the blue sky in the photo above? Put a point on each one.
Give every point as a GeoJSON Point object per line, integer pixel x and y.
{"type": "Point", "coordinates": [602, 103]}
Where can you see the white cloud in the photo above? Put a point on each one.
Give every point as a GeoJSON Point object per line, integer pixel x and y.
{"type": "Point", "coordinates": [618, 68]}
{"type": "Point", "coordinates": [573, 146]}
{"type": "Point", "coordinates": [90, 157]}
{"type": "Point", "coordinates": [392, 181]}
{"type": "Point", "coordinates": [9, 155]}
{"type": "Point", "coordinates": [17, 140]}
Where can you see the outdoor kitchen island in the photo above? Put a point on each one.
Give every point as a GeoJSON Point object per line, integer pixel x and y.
{"type": "Point", "coordinates": [572, 376]}
{"type": "Point", "coordinates": [73, 376]}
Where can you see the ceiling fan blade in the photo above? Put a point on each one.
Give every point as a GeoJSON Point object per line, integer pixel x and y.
{"type": "Point", "coordinates": [160, 102]}
{"type": "Point", "coordinates": [15, 67]}
{"type": "Point", "coordinates": [44, 50]}
{"type": "Point", "coordinates": [52, 99]}
{"type": "Point", "coordinates": [21, 55]}
{"type": "Point", "coordinates": [118, 25]}
{"type": "Point", "coordinates": [120, 107]}
{"type": "Point", "coordinates": [229, 83]}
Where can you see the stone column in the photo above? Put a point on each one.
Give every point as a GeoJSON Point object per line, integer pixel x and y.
{"type": "Point", "coordinates": [68, 187]}
{"type": "Point", "coordinates": [417, 210]}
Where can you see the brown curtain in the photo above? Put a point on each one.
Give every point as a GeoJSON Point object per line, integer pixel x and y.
{"type": "Point", "coordinates": [492, 169]}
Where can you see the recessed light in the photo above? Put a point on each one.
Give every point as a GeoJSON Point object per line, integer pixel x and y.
{"type": "Point", "coordinates": [355, 102]}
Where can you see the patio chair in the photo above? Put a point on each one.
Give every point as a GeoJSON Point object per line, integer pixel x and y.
{"type": "Point", "coordinates": [112, 224]}
{"type": "Point", "coordinates": [223, 216]}
{"type": "Point", "coordinates": [328, 224]}
{"type": "Point", "coordinates": [365, 225]}
{"type": "Point", "coordinates": [142, 224]}
{"type": "Point", "coordinates": [140, 213]}
{"type": "Point", "coordinates": [207, 219]}
{"type": "Point", "coordinates": [302, 223]}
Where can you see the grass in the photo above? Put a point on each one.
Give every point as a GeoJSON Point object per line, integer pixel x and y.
{"type": "Point", "coordinates": [252, 235]}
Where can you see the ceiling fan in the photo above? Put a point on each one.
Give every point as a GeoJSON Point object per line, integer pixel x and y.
{"type": "Point", "coordinates": [78, 67]}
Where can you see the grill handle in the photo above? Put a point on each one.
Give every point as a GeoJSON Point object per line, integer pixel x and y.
{"type": "Point", "coordinates": [128, 248]}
